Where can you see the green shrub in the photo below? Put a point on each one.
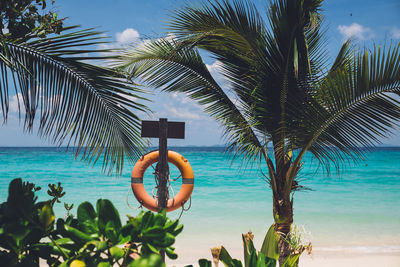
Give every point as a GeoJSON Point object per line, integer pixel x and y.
{"type": "Point", "coordinates": [96, 237]}
{"type": "Point", "coordinates": [266, 257]}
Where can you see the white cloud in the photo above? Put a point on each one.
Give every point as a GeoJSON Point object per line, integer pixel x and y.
{"type": "Point", "coordinates": [124, 39]}
{"type": "Point", "coordinates": [185, 100]}
{"type": "Point", "coordinates": [356, 31]}
{"type": "Point", "coordinates": [13, 104]}
{"type": "Point", "coordinates": [142, 43]}
{"type": "Point", "coordinates": [182, 113]}
{"type": "Point", "coordinates": [128, 36]}
{"type": "Point", "coordinates": [215, 70]}
{"type": "Point", "coordinates": [170, 37]}
{"type": "Point", "coordinates": [395, 33]}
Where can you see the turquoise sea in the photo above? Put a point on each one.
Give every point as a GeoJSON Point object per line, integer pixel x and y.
{"type": "Point", "coordinates": [356, 211]}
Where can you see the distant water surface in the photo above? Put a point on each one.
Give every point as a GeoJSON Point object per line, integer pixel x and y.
{"type": "Point", "coordinates": [359, 210]}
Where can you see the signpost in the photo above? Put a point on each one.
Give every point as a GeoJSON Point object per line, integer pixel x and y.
{"type": "Point", "coordinates": [163, 130]}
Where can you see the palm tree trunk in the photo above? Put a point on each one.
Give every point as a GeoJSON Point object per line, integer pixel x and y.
{"type": "Point", "coordinates": [283, 215]}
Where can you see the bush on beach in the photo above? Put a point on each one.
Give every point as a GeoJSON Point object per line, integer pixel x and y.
{"type": "Point", "coordinates": [268, 254]}
{"type": "Point", "coordinates": [96, 237]}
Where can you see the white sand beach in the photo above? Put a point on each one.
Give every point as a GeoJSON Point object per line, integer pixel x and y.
{"type": "Point", "coordinates": [335, 260]}
{"type": "Point", "coordinates": [319, 258]}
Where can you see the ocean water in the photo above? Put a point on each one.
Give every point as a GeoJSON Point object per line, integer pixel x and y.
{"type": "Point", "coordinates": [357, 211]}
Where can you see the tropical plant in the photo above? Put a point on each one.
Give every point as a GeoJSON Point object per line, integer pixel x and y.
{"type": "Point", "coordinates": [25, 19]}
{"type": "Point", "coordinates": [97, 237]}
{"type": "Point", "coordinates": [266, 257]}
{"type": "Point", "coordinates": [23, 223]}
{"type": "Point", "coordinates": [58, 85]}
{"type": "Point", "coordinates": [94, 238]}
{"type": "Point", "coordinates": [280, 89]}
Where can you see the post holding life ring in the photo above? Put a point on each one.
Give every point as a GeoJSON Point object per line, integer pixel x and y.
{"type": "Point", "coordinates": [187, 180]}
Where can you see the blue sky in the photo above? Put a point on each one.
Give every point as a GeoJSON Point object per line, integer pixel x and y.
{"type": "Point", "coordinates": [134, 21]}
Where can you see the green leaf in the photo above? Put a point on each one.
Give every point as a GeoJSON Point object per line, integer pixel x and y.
{"type": "Point", "coordinates": [76, 235]}
{"type": "Point", "coordinates": [64, 241]}
{"type": "Point", "coordinates": [147, 220]}
{"type": "Point", "coordinates": [86, 216]}
{"type": "Point", "coordinates": [169, 240]}
{"type": "Point", "coordinates": [63, 264]}
{"type": "Point", "coordinates": [261, 259]}
{"type": "Point", "coordinates": [237, 263]}
{"type": "Point", "coordinates": [102, 245]}
{"type": "Point", "coordinates": [107, 213]}
{"type": "Point", "coordinates": [128, 228]}
{"type": "Point", "coordinates": [154, 260]}
{"type": "Point", "coordinates": [291, 261]}
{"type": "Point", "coordinates": [116, 252]}
{"type": "Point", "coordinates": [270, 262]}
{"type": "Point", "coordinates": [252, 259]}
{"type": "Point", "coordinates": [153, 248]}
{"type": "Point", "coordinates": [178, 230]}
{"type": "Point", "coordinates": [171, 225]}
{"type": "Point", "coordinates": [154, 232]}
{"type": "Point", "coordinates": [249, 250]}
{"type": "Point", "coordinates": [104, 264]}
{"type": "Point", "coordinates": [46, 216]}
{"type": "Point", "coordinates": [204, 263]}
{"type": "Point", "coordinates": [224, 257]}
{"type": "Point", "coordinates": [163, 213]}
{"type": "Point", "coordinates": [111, 232]}
{"type": "Point", "coordinates": [270, 245]}
{"type": "Point", "coordinates": [171, 253]}
{"type": "Point", "coordinates": [124, 240]}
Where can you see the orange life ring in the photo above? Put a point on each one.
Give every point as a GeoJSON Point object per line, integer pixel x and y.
{"type": "Point", "coordinates": [148, 201]}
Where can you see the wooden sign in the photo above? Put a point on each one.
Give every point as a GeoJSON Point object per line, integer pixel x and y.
{"type": "Point", "coordinates": [175, 129]}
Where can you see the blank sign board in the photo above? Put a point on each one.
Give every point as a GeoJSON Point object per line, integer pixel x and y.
{"type": "Point", "coordinates": [152, 129]}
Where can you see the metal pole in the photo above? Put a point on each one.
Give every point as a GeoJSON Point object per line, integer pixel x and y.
{"type": "Point", "coordinates": [162, 193]}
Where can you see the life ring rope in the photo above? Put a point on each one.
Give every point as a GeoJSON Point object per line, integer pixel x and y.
{"type": "Point", "coordinates": [129, 205]}
{"type": "Point", "coordinates": [177, 200]}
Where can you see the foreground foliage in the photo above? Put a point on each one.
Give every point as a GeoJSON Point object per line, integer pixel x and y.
{"type": "Point", "coordinates": [96, 237]}
{"type": "Point", "coordinates": [280, 89]}
{"type": "Point", "coordinates": [266, 257]}
{"type": "Point", "coordinates": [28, 18]}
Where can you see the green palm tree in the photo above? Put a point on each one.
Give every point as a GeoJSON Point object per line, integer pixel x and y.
{"type": "Point", "coordinates": [76, 102]}
{"type": "Point", "coordinates": [281, 90]}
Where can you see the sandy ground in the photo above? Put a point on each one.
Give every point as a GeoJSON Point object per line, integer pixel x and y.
{"type": "Point", "coordinates": [345, 260]}
{"type": "Point", "coordinates": [330, 259]}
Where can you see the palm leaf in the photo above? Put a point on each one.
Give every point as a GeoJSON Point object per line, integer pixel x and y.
{"type": "Point", "coordinates": [356, 105]}
{"type": "Point", "coordinates": [174, 67]}
{"type": "Point", "coordinates": [74, 101]}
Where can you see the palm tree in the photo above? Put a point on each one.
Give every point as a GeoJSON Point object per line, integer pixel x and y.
{"type": "Point", "coordinates": [77, 103]}
{"type": "Point", "coordinates": [282, 91]}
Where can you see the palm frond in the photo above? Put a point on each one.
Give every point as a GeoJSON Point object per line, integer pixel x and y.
{"type": "Point", "coordinates": [235, 35]}
{"type": "Point", "coordinates": [173, 67]}
{"type": "Point", "coordinates": [357, 105]}
{"type": "Point", "coordinates": [74, 101]}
